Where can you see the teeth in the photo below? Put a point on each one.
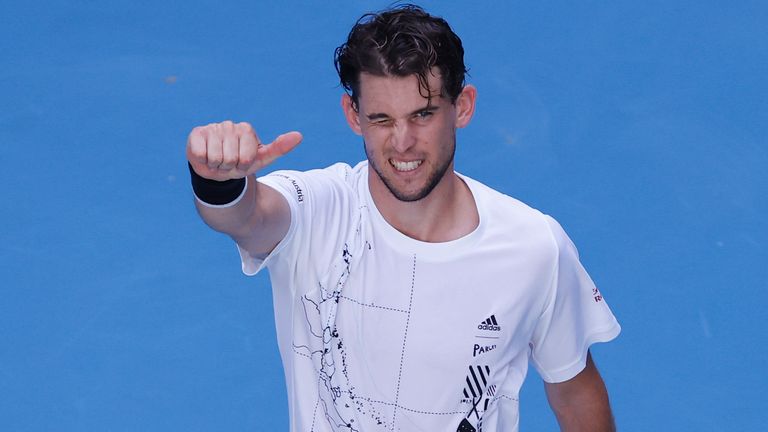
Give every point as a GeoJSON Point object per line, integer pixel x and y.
{"type": "Point", "coordinates": [405, 166]}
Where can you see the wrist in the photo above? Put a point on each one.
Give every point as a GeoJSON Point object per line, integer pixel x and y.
{"type": "Point", "coordinates": [217, 194]}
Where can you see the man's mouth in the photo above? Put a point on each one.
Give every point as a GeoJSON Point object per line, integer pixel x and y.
{"type": "Point", "coordinates": [404, 166]}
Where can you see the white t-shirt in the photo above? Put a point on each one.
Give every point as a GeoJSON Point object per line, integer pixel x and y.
{"type": "Point", "coordinates": [381, 332]}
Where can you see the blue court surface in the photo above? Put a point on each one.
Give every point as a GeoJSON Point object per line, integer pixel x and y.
{"type": "Point", "coordinates": [641, 126]}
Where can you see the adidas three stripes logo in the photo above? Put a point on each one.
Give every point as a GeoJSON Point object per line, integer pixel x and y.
{"type": "Point", "coordinates": [489, 324]}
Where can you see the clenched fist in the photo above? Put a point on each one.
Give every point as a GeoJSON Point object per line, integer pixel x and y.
{"type": "Point", "coordinates": [224, 151]}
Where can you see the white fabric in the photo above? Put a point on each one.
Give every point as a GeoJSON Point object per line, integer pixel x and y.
{"type": "Point", "coordinates": [378, 331]}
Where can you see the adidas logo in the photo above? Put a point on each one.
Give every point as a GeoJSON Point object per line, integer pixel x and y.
{"type": "Point", "coordinates": [490, 324]}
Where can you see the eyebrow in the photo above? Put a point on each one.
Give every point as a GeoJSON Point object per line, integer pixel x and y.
{"type": "Point", "coordinates": [379, 116]}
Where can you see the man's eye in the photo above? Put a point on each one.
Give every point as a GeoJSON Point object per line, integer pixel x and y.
{"type": "Point", "coordinates": [423, 115]}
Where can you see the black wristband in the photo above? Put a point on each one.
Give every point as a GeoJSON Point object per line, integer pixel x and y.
{"type": "Point", "coordinates": [216, 192]}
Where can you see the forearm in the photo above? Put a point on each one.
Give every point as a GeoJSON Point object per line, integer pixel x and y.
{"type": "Point", "coordinates": [257, 221]}
{"type": "Point", "coordinates": [230, 218]}
{"type": "Point", "coordinates": [586, 416]}
{"type": "Point", "coordinates": [581, 403]}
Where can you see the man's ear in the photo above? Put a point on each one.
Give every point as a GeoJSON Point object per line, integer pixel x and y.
{"type": "Point", "coordinates": [465, 105]}
{"type": "Point", "coordinates": [351, 114]}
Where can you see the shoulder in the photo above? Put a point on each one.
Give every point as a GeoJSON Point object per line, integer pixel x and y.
{"type": "Point", "coordinates": [337, 172]}
{"type": "Point", "coordinates": [340, 172]}
{"type": "Point", "coordinates": [508, 217]}
{"type": "Point", "coordinates": [338, 178]}
{"type": "Point", "coordinates": [495, 200]}
{"type": "Point", "coordinates": [500, 208]}
{"type": "Point", "coordinates": [323, 199]}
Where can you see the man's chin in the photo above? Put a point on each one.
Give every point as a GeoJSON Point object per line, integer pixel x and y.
{"type": "Point", "coordinates": [406, 195]}
{"type": "Point", "coordinates": [409, 198]}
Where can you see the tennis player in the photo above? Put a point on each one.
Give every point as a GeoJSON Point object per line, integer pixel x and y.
{"type": "Point", "coordinates": [407, 296]}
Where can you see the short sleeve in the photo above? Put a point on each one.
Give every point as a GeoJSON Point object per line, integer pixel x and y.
{"type": "Point", "coordinates": [575, 317]}
{"type": "Point", "coordinates": [287, 183]}
{"type": "Point", "coordinates": [315, 198]}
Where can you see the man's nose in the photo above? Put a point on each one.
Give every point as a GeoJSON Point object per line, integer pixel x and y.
{"type": "Point", "coordinates": [403, 137]}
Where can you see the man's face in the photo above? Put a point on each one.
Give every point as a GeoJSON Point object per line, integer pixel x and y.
{"type": "Point", "coordinates": [409, 139]}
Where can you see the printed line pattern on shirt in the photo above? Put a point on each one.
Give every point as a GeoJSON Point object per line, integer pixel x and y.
{"type": "Point", "coordinates": [373, 305]}
{"type": "Point", "coordinates": [405, 339]}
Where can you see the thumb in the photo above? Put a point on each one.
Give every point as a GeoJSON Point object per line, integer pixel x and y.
{"type": "Point", "coordinates": [280, 146]}
{"type": "Point", "coordinates": [285, 143]}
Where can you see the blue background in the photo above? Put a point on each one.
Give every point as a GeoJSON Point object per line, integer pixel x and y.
{"type": "Point", "coordinates": [639, 125]}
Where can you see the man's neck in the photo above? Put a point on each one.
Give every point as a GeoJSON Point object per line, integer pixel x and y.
{"type": "Point", "coordinates": [448, 213]}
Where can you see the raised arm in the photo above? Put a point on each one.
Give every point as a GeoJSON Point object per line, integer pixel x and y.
{"type": "Point", "coordinates": [229, 152]}
{"type": "Point", "coordinates": [581, 403]}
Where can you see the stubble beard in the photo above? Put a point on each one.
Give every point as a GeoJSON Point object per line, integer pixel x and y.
{"type": "Point", "coordinates": [432, 181]}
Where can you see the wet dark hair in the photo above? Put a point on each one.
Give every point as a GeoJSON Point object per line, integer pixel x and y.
{"type": "Point", "coordinates": [402, 41]}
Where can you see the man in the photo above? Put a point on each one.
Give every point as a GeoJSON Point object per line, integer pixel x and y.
{"type": "Point", "coordinates": [407, 297]}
